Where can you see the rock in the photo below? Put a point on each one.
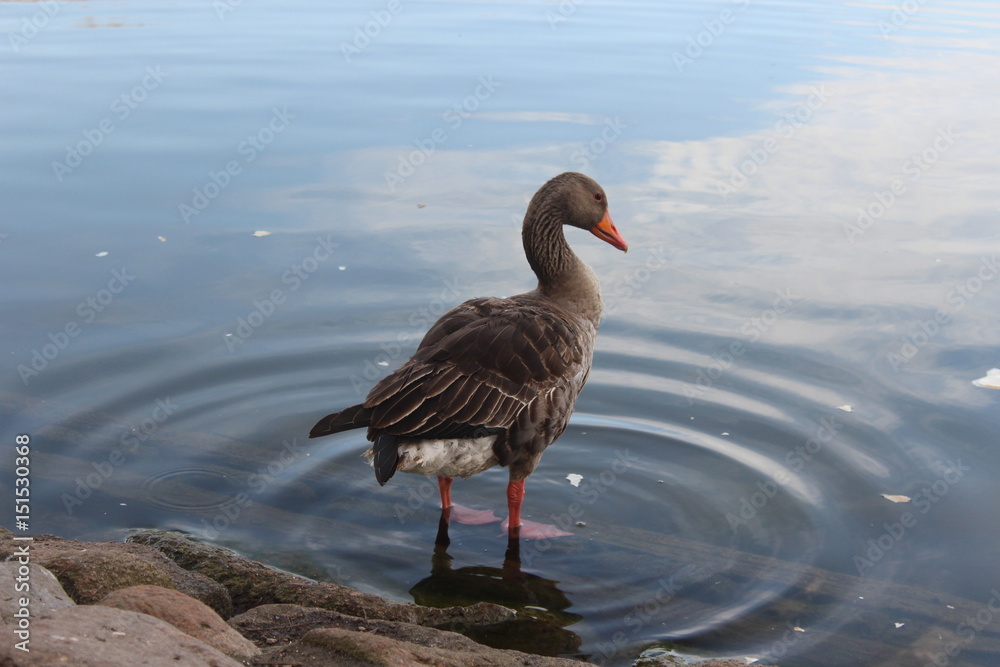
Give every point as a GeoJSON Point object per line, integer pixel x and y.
{"type": "Point", "coordinates": [146, 617]}
{"type": "Point", "coordinates": [44, 593]}
{"type": "Point", "coordinates": [338, 647]}
{"type": "Point", "coordinates": [88, 575]}
{"type": "Point", "coordinates": [279, 624]}
{"type": "Point", "coordinates": [184, 613]}
{"type": "Point", "coordinates": [88, 571]}
{"type": "Point", "coordinates": [97, 636]}
{"type": "Point", "coordinates": [251, 584]}
{"type": "Point", "coordinates": [285, 623]}
{"type": "Point", "coordinates": [660, 657]}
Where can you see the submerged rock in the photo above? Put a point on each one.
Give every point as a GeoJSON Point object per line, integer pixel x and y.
{"type": "Point", "coordinates": [155, 597]}
{"type": "Point", "coordinates": [251, 584]}
{"type": "Point", "coordinates": [336, 647]}
{"type": "Point", "coordinates": [314, 637]}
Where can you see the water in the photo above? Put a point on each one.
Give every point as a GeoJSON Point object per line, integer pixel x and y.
{"type": "Point", "coordinates": [808, 192]}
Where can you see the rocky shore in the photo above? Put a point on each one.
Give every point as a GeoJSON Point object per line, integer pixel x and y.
{"type": "Point", "coordinates": [162, 599]}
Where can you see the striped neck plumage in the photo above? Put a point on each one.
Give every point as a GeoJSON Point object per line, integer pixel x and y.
{"type": "Point", "coordinates": [546, 248]}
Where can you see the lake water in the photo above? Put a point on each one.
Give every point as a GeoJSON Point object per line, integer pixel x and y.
{"type": "Point", "coordinates": [809, 193]}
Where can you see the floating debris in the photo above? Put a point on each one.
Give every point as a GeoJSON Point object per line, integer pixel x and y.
{"type": "Point", "coordinates": [162, 238]}
{"type": "Point", "coordinates": [341, 268]}
{"type": "Point", "coordinates": [899, 625]}
{"type": "Point", "coordinates": [103, 253]}
{"type": "Point", "coordinates": [991, 381]}
{"type": "Point", "coordinates": [574, 479]}
{"type": "Point", "coordinates": [896, 499]}
{"type": "Point", "coordinates": [260, 233]}
{"type": "Point", "coordinates": [421, 205]}
{"type": "Point", "coordinates": [845, 408]}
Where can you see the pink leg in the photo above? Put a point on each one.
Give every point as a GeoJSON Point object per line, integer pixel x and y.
{"type": "Point", "coordinates": [444, 484]}
{"type": "Point", "coordinates": [516, 528]}
{"type": "Point", "coordinates": [458, 512]}
{"type": "Point", "coordinates": [515, 496]}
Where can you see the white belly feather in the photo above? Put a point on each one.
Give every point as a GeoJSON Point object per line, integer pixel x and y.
{"type": "Point", "coordinates": [452, 457]}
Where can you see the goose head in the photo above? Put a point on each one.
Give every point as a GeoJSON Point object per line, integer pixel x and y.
{"type": "Point", "coordinates": [578, 201]}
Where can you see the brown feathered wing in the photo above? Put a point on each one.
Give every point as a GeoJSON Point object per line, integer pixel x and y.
{"type": "Point", "coordinates": [488, 366]}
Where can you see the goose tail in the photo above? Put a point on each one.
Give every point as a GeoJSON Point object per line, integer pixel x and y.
{"type": "Point", "coordinates": [356, 416]}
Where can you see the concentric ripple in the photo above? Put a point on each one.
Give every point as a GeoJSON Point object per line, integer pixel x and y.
{"type": "Point", "coordinates": [710, 506]}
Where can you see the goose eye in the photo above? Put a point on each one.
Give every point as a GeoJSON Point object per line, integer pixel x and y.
{"type": "Point", "coordinates": [598, 196]}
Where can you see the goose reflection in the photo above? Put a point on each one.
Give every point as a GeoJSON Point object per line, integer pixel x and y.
{"type": "Point", "coordinates": [541, 607]}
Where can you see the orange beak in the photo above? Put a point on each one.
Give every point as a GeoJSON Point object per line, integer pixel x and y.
{"type": "Point", "coordinates": [606, 231]}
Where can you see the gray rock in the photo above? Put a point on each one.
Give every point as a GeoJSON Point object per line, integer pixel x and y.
{"type": "Point", "coordinates": [88, 571]}
{"type": "Point", "coordinates": [184, 613]}
{"type": "Point", "coordinates": [97, 636]}
{"type": "Point", "coordinates": [251, 584]}
{"type": "Point", "coordinates": [660, 657]}
{"type": "Point", "coordinates": [45, 594]}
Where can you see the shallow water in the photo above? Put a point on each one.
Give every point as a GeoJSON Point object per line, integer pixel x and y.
{"type": "Point", "coordinates": [809, 194]}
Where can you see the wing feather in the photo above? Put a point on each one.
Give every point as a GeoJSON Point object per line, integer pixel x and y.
{"type": "Point", "coordinates": [393, 384]}
{"type": "Point", "coordinates": [480, 366]}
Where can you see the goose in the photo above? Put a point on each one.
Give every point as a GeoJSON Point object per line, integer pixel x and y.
{"type": "Point", "coordinates": [495, 380]}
